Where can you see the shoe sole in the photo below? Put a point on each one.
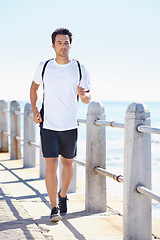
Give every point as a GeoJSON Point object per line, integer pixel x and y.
{"type": "Point", "coordinates": [56, 218]}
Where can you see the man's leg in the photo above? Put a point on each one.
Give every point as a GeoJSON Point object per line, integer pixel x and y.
{"type": "Point", "coordinates": [67, 173]}
{"type": "Point", "coordinates": [51, 180]}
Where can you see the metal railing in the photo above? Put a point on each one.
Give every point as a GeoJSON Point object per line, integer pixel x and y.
{"type": "Point", "coordinates": [143, 129]}
{"type": "Point", "coordinates": [147, 129]}
{"type": "Point", "coordinates": [109, 123]}
{"type": "Point", "coordinates": [137, 153]}
{"type": "Point", "coordinates": [147, 192]}
{"type": "Point", "coordinates": [118, 178]}
{"type": "Point", "coordinates": [34, 144]}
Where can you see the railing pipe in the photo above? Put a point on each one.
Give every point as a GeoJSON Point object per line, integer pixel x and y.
{"type": "Point", "coordinates": [3, 126]}
{"type": "Point", "coordinates": [109, 123]}
{"type": "Point", "coordinates": [81, 120]}
{"type": "Point", "coordinates": [118, 178]}
{"type": "Point", "coordinates": [19, 139]}
{"type": "Point", "coordinates": [137, 171]}
{"type": "Point", "coordinates": [95, 190]}
{"type": "Point", "coordinates": [80, 163]}
{"type": "Point", "coordinates": [29, 159]}
{"type": "Point", "coordinates": [146, 129]}
{"type": "Point", "coordinates": [15, 152]}
{"type": "Point", "coordinates": [147, 192]}
{"type": "Point", "coordinates": [34, 144]}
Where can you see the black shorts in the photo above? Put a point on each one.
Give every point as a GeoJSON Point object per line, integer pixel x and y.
{"type": "Point", "coordinates": [59, 142]}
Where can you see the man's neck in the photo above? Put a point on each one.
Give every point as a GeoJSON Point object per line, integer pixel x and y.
{"type": "Point", "coordinates": [61, 60]}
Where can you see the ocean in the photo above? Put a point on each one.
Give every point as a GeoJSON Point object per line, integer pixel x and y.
{"type": "Point", "coordinates": [115, 111]}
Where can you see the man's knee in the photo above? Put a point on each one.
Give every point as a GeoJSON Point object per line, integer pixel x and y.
{"type": "Point", "coordinates": [69, 163]}
{"type": "Point", "coordinates": [51, 164]}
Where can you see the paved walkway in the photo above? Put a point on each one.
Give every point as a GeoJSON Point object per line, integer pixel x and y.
{"type": "Point", "coordinates": [25, 210]}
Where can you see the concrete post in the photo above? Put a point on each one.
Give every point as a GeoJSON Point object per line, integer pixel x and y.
{"type": "Point", "coordinates": [29, 158]}
{"type": "Point", "coordinates": [95, 191]}
{"type": "Point", "coordinates": [3, 126]}
{"type": "Point", "coordinates": [42, 163]}
{"type": "Point", "coordinates": [137, 171]}
{"type": "Point", "coordinates": [72, 186]}
{"type": "Point", "coordinates": [15, 130]}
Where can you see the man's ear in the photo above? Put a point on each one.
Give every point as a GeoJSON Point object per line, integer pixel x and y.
{"type": "Point", "coordinates": [53, 46]}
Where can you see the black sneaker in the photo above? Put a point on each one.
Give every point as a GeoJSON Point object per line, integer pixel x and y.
{"type": "Point", "coordinates": [55, 217]}
{"type": "Point", "coordinates": [62, 203]}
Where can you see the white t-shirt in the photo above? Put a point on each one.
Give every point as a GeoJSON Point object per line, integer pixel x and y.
{"type": "Point", "coordinates": [60, 93]}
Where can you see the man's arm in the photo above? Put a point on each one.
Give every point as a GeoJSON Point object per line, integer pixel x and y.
{"type": "Point", "coordinates": [33, 98]}
{"type": "Point", "coordinates": [84, 95]}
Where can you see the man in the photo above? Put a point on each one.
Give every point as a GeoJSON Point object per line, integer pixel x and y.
{"type": "Point", "coordinates": [59, 119]}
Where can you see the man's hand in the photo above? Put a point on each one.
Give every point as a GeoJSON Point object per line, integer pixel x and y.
{"type": "Point", "coordinates": [37, 116]}
{"type": "Point", "coordinates": [81, 91]}
{"type": "Point", "coordinates": [33, 97]}
{"type": "Point", "coordinates": [83, 94]}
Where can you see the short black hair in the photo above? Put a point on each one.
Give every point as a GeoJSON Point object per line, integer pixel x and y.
{"type": "Point", "coordinates": [63, 31]}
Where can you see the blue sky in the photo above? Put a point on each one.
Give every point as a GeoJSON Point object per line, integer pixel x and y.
{"type": "Point", "coordinates": [118, 41]}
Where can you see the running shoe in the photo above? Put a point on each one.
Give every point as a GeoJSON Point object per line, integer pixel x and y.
{"type": "Point", "coordinates": [55, 216]}
{"type": "Point", "coordinates": [62, 204]}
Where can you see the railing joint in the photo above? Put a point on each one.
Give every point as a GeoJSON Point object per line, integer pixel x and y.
{"type": "Point", "coordinates": [96, 168]}
{"type": "Point", "coordinates": [138, 127]}
{"type": "Point", "coordinates": [139, 185]}
{"type": "Point", "coordinates": [96, 121]}
{"type": "Point", "coordinates": [117, 178]}
{"type": "Point", "coordinates": [111, 123]}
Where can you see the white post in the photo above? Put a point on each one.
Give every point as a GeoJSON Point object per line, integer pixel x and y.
{"type": "Point", "coordinates": [42, 163]}
{"type": "Point", "coordinates": [137, 171]}
{"type": "Point", "coordinates": [15, 130]}
{"type": "Point", "coordinates": [29, 158]}
{"type": "Point", "coordinates": [95, 192]}
{"type": "Point", "coordinates": [72, 186]}
{"type": "Point", "coordinates": [3, 126]}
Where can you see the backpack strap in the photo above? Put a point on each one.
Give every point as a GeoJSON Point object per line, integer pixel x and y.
{"type": "Point", "coordinates": [80, 72]}
{"type": "Point", "coordinates": [43, 71]}
{"type": "Point", "coordinates": [79, 68]}
{"type": "Point", "coordinates": [42, 108]}
{"type": "Point", "coordinates": [80, 76]}
{"type": "Point", "coordinates": [44, 67]}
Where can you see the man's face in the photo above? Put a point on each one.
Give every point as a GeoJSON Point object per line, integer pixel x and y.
{"type": "Point", "coordinates": [62, 45]}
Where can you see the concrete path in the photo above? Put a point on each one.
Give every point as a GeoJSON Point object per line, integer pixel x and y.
{"type": "Point", "coordinates": [25, 210]}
